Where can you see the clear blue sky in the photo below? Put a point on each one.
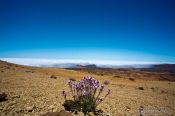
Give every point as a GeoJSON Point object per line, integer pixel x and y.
{"type": "Point", "coordinates": [88, 29]}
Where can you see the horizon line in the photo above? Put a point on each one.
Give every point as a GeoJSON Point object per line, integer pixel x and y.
{"type": "Point", "coordinates": [49, 61]}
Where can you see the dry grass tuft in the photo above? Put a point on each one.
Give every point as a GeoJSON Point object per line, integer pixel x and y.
{"type": "Point", "coordinates": [53, 77]}
{"type": "Point", "coordinates": [132, 79]}
{"type": "Point", "coordinates": [140, 88]}
{"type": "Point", "coordinates": [72, 79]}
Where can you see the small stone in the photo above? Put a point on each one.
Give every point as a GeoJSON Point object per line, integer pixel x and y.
{"type": "Point", "coordinates": [30, 108]}
{"type": "Point", "coordinates": [3, 97]}
{"type": "Point", "coordinates": [54, 110]}
{"type": "Point", "coordinates": [26, 115]}
{"type": "Point", "coordinates": [51, 107]}
{"type": "Point", "coordinates": [1, 108]}
{"type": "Point", "coordinates": [15, 96]}
{"type": "Point", "coordinates": [99, 111]}
{"type": "Point", "coordinates": [91, 114]}
{"type": "Point", "coordinates": [12, 103]}
{"type": "Point", "coordinates": [18, 110]}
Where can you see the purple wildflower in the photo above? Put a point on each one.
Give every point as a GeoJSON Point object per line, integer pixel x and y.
{"type": "Point", "coordinates": [69, 82]}
{"type": "Point", "coordinates": [87, 90]}
{"type": "Point", "coordinates": [63, 93]}
{"type": "Point", "coordinates": [85, 93]}
{"type": "Point", "coordinates": [101, 88]}
{"type": "Point", "coordinates": [94, 87]}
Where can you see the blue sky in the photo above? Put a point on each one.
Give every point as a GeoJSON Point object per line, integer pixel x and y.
{"type": "Point", "coordinates": [136, 30]}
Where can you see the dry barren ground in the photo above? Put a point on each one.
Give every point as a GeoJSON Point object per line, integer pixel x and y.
{"type": "Point", "coordinates": [31, 92]}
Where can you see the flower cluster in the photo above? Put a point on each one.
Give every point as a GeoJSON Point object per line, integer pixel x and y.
{"type": "Point", "coordinates": [86, 94]}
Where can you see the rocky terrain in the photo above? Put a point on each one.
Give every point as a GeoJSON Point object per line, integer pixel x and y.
{"type": "Point", "coordinates": [33, 91]}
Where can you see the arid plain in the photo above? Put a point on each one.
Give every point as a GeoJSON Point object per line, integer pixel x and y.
{"type": "Point", "coordinates": [32, 92]}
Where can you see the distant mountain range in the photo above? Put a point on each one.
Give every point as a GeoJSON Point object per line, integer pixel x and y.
{"type": "Point", "coordinates": [161, 68]}
{"type": "Point", "coordinates": [85, 64]}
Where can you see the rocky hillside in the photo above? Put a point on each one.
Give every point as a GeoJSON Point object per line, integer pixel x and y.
{"type": "Point", "coordinates": [33, 91]}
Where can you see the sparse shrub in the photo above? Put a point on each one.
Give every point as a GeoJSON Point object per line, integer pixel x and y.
{"type": "Point", "coordinates": [140, 88]}
{"type": "Point", "coordinates": [72, 79]}
{"type": "Point", "coordinates": [153, 89]}
{"type": "Point", "coordinates": [162, 91]}
{"type": "Point", "coordinates": [173, 93]}
{"type": "Point", "coordinates": [131, 79]}
{"type": "Point", "coordinates": [27, 71]}
{"type": "Point", "coordinates": [106, 82]}
{"type": "Point", "coordinates": [53, 77]}
{"type": "Point", "coordinates": [7, 67]}
{"type": "Point", "coordinates": [86, 95]}
{"type": "Point", "coordinates": [127, 107]}
{"type": "Point", "coordinates": [117, 76]}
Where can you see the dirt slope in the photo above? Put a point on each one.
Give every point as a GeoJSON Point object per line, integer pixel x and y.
{"type": "Point", "coordinates": [31, 92]}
